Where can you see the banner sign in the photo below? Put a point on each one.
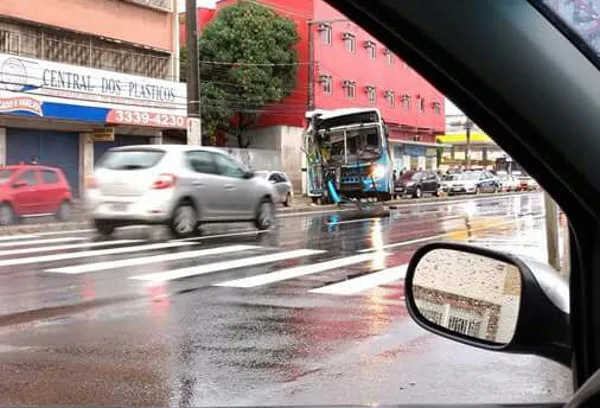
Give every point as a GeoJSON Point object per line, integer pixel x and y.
{"type": "Point", "coordinates": [43, 88]}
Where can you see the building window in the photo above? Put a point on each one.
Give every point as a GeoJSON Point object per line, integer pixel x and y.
{"type": "Point", "coordinates": [389, 57]}
{"type": "Point", "coordinates": [372, 93]}
{"type": "Point", "coordinates": [390, 97]}
{"type": "Point", "coordinates": [326, 84]}
{"type": "Point", "coordinates": [350, 87]}
{"type": "Point", "coordinates": [325, 33]}
{"type": "Point", "coordinates": [350, 41]}
{"type": "Point", "coordinates": [422, 105]}
{"type": "Point", "coordinates": [406, 102]}
{"type": "Point", "coordinates": [437, 108]}
{"type": "Point", "coordinates": [371, 49]}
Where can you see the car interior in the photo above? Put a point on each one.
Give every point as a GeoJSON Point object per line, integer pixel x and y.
{"type": "Point", "coordinates": [520, 73]}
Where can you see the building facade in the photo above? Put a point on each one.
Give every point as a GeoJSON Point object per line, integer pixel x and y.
{"type": "Point", "coordinates": [80, 76]}
{"type": "Point", "coordinates": [342, 66]}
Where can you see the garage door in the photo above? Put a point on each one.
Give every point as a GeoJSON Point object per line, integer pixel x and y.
{"type": "Point", "coordinates": [57, 149]}
{"type": "Point", "coordinates": [101, 147]}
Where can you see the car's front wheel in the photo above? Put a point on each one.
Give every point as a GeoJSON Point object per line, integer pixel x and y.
{"type": "Point", "coordinates": [265, 215]}
{"type": "Point", "coordinates": [7, 215]}
{"type": "Point", "coordinates": [184, 221]}
{"type": "Point", "coordinates": [104, 227]}
{"type": "Point", "coordinates": [288, 200]}
{"type": "Point", "coordinates": [64, 211]}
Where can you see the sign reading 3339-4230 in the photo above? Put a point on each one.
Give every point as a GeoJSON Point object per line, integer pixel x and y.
{"type": "Point", "coordinates": [141, 118]}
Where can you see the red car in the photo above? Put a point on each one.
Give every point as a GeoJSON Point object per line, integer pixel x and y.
{"type": "Point", "coordinates": [33, 191]}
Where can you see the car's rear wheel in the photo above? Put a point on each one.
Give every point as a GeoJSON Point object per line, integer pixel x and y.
{"type": "Point", "coordinates": [184, 221]}
{"type": "Point", "coordinates": [64, 211]}
{"type": "Point", "coordinates": [7, 215]}
{"type": "Point", "coordinates": [265, 215]}
{"type": "Point", "coordinates": [104, 227]}
{"type": "Point", "coordinates": [418, 193]}
{"type": "Point", "coordinates": [288, 200]}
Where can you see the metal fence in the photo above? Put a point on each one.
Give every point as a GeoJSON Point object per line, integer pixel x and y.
{"type": "Point", "coordinates": [257, 159]}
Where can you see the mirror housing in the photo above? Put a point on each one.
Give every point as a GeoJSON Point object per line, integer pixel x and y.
{"type": "Point", "coordinates": [542, 325]}
{"type": "Point", "coordinates": [20, 184]}
{"type": "Point", "coordinates": [249, 174]}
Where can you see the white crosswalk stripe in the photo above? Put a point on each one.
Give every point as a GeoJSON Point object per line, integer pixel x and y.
{"type": "Point", "coordinates": [39, 241]}
{"type": "Point", "coordinates": [26, 251]}
{"type": "Point", "coordinates": [298, 271]}
{"type": "Point", "coordinates": [363, 283]}
{"type": "Point", "coordinates": [87, 254]}
{"type": "Point", "coordinates": [225, 265]}
{"type": "Point", "coordinates": [107, 265]}
{"type": "Point", "coordinates": [18, 237]}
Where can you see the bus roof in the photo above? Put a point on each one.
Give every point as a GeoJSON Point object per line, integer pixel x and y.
{"type": "Point", "coordinates": [332, 113]}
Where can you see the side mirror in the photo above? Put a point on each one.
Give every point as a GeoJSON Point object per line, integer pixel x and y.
{"type": "Point", "coordinates": [20, 184]}
{"type": "Point", "coordinates": [490, 300]}
{"type": "Point", "coordinates": [249, 174]}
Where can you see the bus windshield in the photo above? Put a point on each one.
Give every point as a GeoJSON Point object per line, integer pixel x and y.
{"type": "Point", "coordinates": [361, 145]}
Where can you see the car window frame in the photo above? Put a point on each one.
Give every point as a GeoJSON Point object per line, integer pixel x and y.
{"type": "Point", "coordinates": [191, 167]}
{"type": "Point", "coordinates": [218, 156]}
{"type": "Point", "coordinates": [50, 171]}
{"type": "Point", "coordinates": [29, 171]}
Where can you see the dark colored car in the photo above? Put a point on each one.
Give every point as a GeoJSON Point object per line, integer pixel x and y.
{"type": "Point", "coordinates": [33, 191]}
{"type": "Point", "coordinates": [417, 183]}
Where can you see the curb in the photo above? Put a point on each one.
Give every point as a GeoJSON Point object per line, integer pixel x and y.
{"type": "Point", "coordinates": [282, 213]}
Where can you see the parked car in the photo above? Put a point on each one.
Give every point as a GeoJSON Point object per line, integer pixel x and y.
{"type": "Point", "coordinates": [282, 183]}
{"type": "Point", "coordinates": [33, 191]}
{"type": "Point", "coordinates": [176, 185]}
{"type": "Point", "coordinates": [446, 181]}
{"type": "Point", "coordinates": [526, 183]}
{"type": "Point", "coordinates": [474, 182]}
{"type": "Point", "coordinates": [508, 182]}
{"type": "Point", "coordinates": [417, 183]}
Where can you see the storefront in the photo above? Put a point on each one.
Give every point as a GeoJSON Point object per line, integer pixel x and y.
{"type": "Point", "coordinates": [408, 155]}
{"type": "Point", "coordinates": [51, 112]}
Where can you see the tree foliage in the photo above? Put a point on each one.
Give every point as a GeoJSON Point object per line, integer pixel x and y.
{"type": "Point", "coordinates": [248, 60]}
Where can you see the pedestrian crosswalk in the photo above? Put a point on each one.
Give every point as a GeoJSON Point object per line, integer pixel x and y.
{"type": "Point", "coordinates": [228, 266]}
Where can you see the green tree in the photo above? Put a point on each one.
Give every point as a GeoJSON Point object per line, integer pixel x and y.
{"type": "Point", "coordinates": [248, 59]}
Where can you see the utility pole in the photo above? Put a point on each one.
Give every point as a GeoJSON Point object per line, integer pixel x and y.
{"type": "Point", "coordinates": [468, 127]}
{"type": "Point", "coordinates": [311, 68]}
{"type": "Point", "coordinates": [194, 131]}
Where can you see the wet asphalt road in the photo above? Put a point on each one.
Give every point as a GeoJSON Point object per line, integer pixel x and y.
{"type": "Point", "coordinates": [311, 313]}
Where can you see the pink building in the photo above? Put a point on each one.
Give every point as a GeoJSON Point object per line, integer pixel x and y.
{"type": "Point", "coordinates": [70, 67]}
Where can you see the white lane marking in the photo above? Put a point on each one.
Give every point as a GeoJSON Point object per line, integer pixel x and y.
{"type": "Point", "coordinates": [18, 237]}
{"type": "Point", "coordinates": [40, 241]}
{"type": "Point", "coordinates": [232, 234]}
{"type": "Point", "coordinates": [221, 266]}
{"type": "Point", "coordinates": [362, 283]}
{"type": "Point", "coordinates": [25, 251]}
{"type": "Point", "coordinates": [87, 254]}
{"type": "Point", "coordinates": [298, 271]}
{"type": "Point", "coordinates": [447, 234]}
{"type": "Point", "coordinates": [102, 266]}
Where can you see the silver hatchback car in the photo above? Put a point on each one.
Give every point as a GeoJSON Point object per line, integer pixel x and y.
{"type": "Point", "coordinates": [177, 185]}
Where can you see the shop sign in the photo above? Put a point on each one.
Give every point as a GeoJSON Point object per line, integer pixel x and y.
{"type": "Point", "coordinates": [104, 135]}
{"type": "Point", "coordinates": [43, 88]}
